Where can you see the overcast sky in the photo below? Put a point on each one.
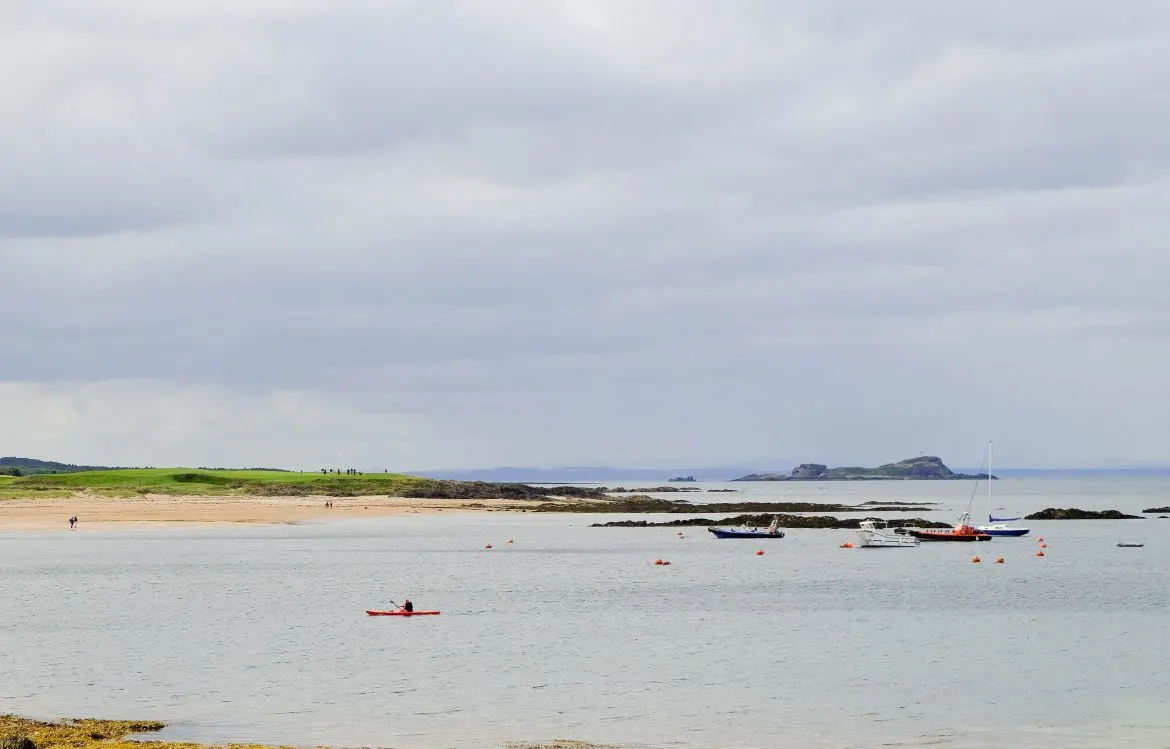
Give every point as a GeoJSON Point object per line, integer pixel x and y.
{"type": "Point", "coordinates": [452, 234]}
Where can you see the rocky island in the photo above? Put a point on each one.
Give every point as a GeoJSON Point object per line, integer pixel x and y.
{"type": "Point", "coordinates": [926, 467]}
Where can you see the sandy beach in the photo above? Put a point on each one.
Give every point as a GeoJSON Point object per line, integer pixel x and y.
{"type": "Point", "coordinates": [52, 513]}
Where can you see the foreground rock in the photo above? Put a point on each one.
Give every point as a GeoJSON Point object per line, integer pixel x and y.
{"type": "Point", "coordinates": [1072, 513]}
{"type": "Point", "coordinates": [644, 504]}
{"type": "Point", "coordinates": [763, 520]}
{"type": "Point", "coordinates": [925, 467]}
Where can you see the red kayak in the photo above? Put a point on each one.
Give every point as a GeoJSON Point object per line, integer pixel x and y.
{"type": "Point", "coordinates": [400, 612]}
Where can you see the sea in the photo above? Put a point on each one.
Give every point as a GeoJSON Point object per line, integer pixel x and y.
{"type": "Point", "coordinates": [565, 631]}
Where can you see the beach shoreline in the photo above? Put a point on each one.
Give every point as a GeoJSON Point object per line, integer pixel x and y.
{"type": "Point", "coordinates": [92, 510]}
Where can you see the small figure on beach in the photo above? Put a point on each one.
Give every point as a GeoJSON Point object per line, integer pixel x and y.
{"type": "Point", "coordinates": [72, 522]}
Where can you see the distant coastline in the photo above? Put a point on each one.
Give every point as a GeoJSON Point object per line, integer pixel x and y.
{"type": "Point", "coordinates": [602, 475]}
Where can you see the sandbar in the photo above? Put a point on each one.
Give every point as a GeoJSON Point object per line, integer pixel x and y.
{"type": "Point", "coordinates": [53, 513]}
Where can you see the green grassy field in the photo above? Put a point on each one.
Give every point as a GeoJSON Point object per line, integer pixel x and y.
{"type": "Point", "coordinates": [190, 481]}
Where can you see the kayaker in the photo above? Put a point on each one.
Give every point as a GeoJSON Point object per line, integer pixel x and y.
{"type": "Point", "coordinates": [407, 605]}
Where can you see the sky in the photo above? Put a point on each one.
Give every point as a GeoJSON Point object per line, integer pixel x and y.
{"type": "Point", "coordinates": [445, 234]}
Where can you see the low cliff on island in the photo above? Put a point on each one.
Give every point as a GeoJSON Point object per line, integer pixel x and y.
{"type": "Point", "coordinates": [925, 467]}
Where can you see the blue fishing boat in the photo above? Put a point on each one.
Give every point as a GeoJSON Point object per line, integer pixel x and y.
{"type": "Point", "coordinates": [998, 526]}
{"type": "Point", "coordinates": [772, 531]}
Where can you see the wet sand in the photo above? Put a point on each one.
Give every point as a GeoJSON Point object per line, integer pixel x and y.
{"type": "Point", "coordinates": [52, 513]}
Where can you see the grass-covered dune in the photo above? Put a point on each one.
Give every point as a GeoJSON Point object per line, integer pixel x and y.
{"type": "Point", "coordinates": [195, 482]}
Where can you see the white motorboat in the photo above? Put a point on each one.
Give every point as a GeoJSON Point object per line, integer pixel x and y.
{"type": "Point", "coordinates": [875, 534]}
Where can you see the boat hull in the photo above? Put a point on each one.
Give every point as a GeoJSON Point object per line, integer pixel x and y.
{"type": "Point", "coordinates": [885, 543]}
{"type": "Point", "coordinates": [948, 536]}
{"type": "Point", "coordinates": [1005, 532]}
{"type": "Point", "coordinates": [724, 533]}
{"type": "Point", "coordinates": [402, 613]}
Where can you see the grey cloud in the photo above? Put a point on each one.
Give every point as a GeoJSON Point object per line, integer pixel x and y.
{"type": "Point", "coordinates": [759, 229]}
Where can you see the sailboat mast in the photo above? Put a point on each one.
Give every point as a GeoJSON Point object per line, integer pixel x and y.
{"type": "Point", "coordinates": [989, 481]}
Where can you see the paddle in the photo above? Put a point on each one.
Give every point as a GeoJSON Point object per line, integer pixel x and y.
{"type": "Point", "coordinates": [396, 605]}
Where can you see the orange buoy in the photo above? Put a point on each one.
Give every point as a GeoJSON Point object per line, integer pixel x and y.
{"type": "Point", "coordinates": [999, 560]}
{"type": "Point", "coordinates": [975, 560]}
{"type": "Point", "coordinates": [847, 545]}
{"type": "Point", "coordinates": [1039, 553]}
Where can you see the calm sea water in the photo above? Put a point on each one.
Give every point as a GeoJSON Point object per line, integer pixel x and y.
{"type": "Point", "coordinates": [259, 633]}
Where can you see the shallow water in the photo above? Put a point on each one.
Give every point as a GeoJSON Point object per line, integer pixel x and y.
{"type": "Point", "coordinates": [259, 633]}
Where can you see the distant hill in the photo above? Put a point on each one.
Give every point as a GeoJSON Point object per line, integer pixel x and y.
{"type": "Point", "coordinates": [925, 467]}
{"type": "Point", "coordinates": [28, 466]}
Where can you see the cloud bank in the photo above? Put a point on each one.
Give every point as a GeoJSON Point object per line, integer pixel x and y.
{"type": "Point", "coordinates": [459, 234]}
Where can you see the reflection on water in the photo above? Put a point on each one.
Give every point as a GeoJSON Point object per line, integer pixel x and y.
{"type": "Point", "coordinates": [260, 634]}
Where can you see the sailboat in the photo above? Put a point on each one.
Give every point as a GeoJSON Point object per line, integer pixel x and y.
{"type": "Point", "coordinates": [997, 526]}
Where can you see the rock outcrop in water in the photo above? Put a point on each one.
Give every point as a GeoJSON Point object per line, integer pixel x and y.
{"type": "Point", "coordinates": [763, 520]}
{"type": "Point", "coordinates": [922, 468]}
{"type": "Point", "coordinates": [1157, 510]}
{"type": "Point", "coordinates": [644, 504]}
{"type": "Point", "coordinates": [652, 490]}
{"type": "Point", "coordinates": [1072, 513]}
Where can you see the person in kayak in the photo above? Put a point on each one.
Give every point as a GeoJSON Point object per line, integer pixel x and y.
{"type": "Point", "coordinates": [407, 605]}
